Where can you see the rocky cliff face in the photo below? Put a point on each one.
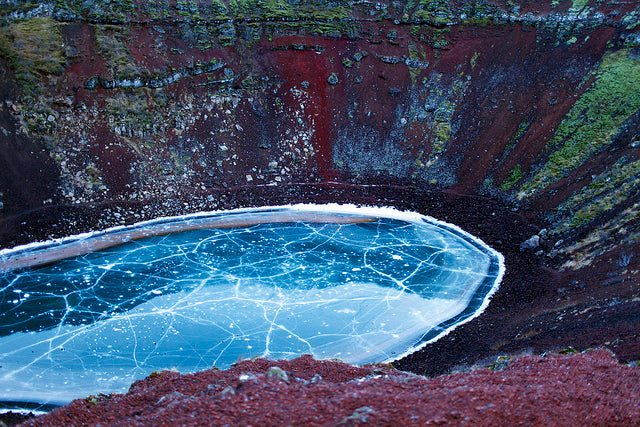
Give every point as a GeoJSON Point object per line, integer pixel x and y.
{"type": "Point", "coordinates": [513, 119]}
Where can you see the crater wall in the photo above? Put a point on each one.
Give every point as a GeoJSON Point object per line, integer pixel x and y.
{"type": "Point", "coordinates": [516, 120]}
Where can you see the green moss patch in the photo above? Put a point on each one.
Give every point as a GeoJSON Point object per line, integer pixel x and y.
{"type": "Point", "coordinates": [112, 44]}
{"type": "Point", "coordinates": [514, 176]}
{"type": "Point", "coordinates": [33, 48]}
{"type": "Point", "coordinates": [606, 191]}
{"type": "Point", "coordinates": [594, 119]}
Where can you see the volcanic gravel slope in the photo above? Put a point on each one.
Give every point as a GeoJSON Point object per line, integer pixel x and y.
{"type": "Point", "coordinates": [591, 388]}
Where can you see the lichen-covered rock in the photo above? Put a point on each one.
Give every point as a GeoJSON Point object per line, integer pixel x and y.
{"type": "Point", "coordinates": [532, 242]}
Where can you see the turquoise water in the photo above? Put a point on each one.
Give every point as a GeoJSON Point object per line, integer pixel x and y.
{"type": "Point", "coordinates": [369, 290]}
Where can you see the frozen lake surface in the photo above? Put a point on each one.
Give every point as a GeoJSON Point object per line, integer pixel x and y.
{"type": "Point", "coordinates": [92, 313]}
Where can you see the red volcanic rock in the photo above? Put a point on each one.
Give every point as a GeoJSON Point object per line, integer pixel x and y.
{"type": "Point", "coordinates": [591, 388]}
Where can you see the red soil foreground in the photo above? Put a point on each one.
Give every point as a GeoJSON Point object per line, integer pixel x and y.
{"type": "Point", "coordinates": [591, 388]}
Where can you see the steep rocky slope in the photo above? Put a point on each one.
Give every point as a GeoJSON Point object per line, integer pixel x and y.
{"type": "Point", "coordinates": [512, 119]}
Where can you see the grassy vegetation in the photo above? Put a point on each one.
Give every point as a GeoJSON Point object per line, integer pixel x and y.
{"type": "Point", "coordinates": [522, 128]}
{"type": "Point", "coordinates": [606, 191]}
{"type": "Point", "coordinates": [594, 119]}
{"type": "Point", "coordinates": [514, 176]}
{"type": "Point", "coordinates": [434, 12]}
{"type": "Point", "coordinates": [439, 40]}
{"type": "Point", "coordinates": [115, 12]}
{"type": "Point", "coordinates": [273, 11]}
{"type": "Point", "coordinates": [127, 104]}
{"type": "Point", "coordinates": [481, 13]}
{"type": "Point", "coordinates": [443, 132]}
{"type": "Point", "coordinates": [415, 72]}
{"type": "Point", "coordinates": [474, 59]}
{"type": "Point", "coordinates": [157, 9]}
{"type": "Point", "coordinates": [333, 19]}
{"type": "Point", "coordinates": [578, 5]}
{"type": "Point", "coordinates": [112, 45]}
{"type": "Point", "coordinates": [34, 49]}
